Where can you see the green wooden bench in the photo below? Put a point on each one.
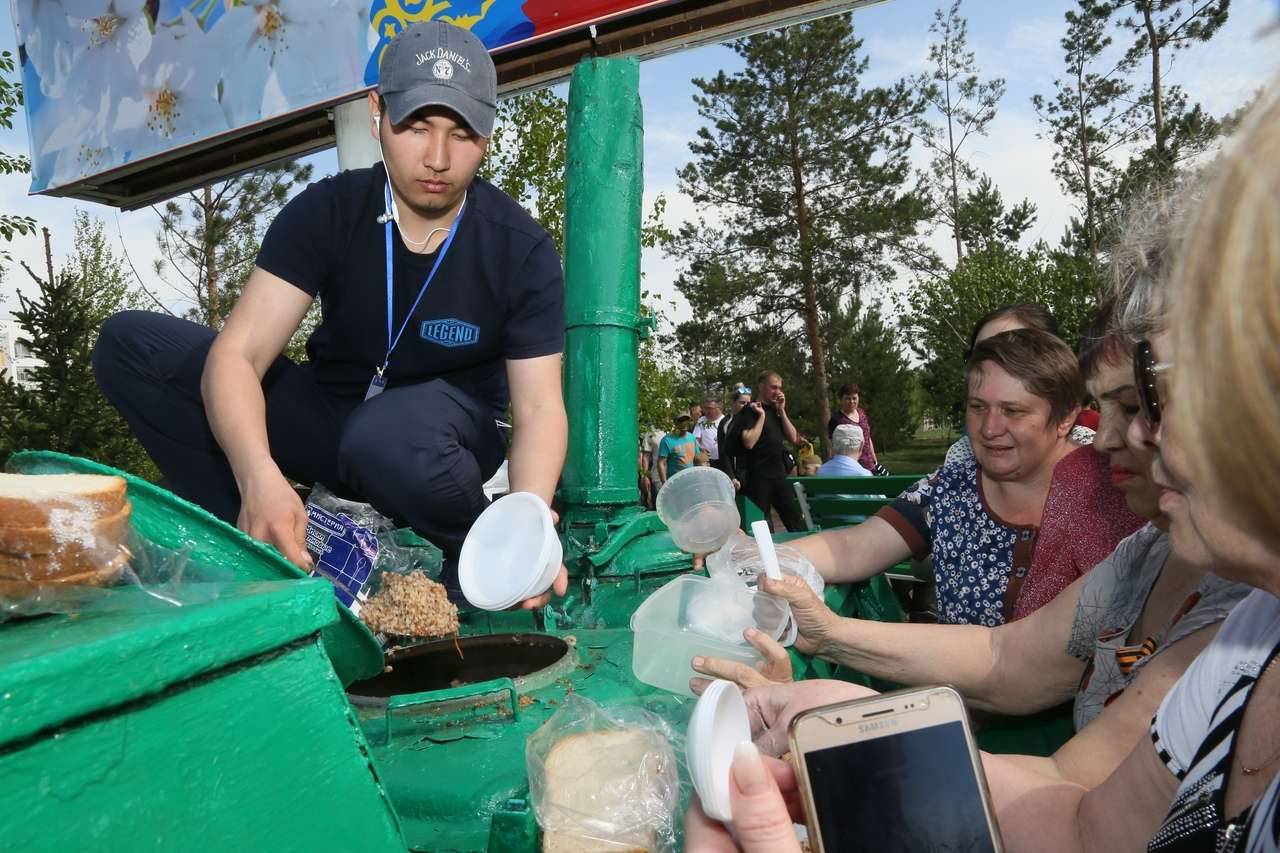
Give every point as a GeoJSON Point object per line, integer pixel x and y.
{"type": "Point", "coordinates": [830, 502]}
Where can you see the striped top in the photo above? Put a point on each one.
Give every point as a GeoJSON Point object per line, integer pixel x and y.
{"type": "Point", "coordinates": [1194, 734]}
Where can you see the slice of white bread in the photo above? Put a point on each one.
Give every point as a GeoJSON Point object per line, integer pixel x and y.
{"type": "Point", "coordinates": [66, 529]}
{"type": "Point", "coordinates": [595, 774]}
{"type": "Point", "coordinates": [98, 576]}
{"type": "Point", "coordinates": [58, 567]}
{"type": "Point", "coordinates": [26, 500]}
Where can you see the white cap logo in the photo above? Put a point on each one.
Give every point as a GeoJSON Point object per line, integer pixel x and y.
{"type": "Point", "coordinates": [443, 69]}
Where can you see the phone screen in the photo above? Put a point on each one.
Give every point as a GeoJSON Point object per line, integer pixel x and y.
{"type": "Point", "coordinates": [913, 791]}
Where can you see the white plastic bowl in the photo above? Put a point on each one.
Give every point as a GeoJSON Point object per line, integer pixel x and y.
{"type": "Point", "coordinates": [511, 553]}
{"type": "Point", "coordinates": [719, 723]}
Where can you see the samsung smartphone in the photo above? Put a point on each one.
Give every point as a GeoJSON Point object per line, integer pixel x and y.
{"type": "Point", "coordinates": [895, 772]}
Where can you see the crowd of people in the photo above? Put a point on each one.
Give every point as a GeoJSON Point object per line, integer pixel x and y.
{"type": "Point", "coordinates": [758, 446]}
{"type": "Point", "coordinates": [1165, 641]}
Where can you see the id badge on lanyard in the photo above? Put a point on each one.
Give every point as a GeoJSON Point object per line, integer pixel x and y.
{"type": "Point", "coordinates": [378, 383]}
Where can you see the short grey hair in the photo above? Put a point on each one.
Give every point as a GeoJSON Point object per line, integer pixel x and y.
{"type": "Point", "coordinates": [1143, 253]}
{"type": "Point", "coordinates": [847, 439]}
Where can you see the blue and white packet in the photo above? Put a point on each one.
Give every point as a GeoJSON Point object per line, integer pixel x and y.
{"type": "Point", "coordinates": [342, 539]}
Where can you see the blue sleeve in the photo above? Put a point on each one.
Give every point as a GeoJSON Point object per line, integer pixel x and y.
{"type": "Point", "coordinates": [535, 322]}
{"type": "Point", "coordinates": [909, 516]}
{"type": "Point", "coordinates": [299, 246]}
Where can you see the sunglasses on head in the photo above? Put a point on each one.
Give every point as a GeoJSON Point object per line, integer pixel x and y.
{"type": "Point", "coordinates": [1145, 371]}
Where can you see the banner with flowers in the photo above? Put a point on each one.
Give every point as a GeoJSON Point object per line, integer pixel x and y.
{"type": "Point", "coordinates": [110, 82]}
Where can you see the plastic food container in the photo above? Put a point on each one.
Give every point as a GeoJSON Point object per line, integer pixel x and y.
{"type": "Point", "coordinates": [699, 616]}
{"type": "Point", "coordinates": [697, 506]}
{"type": "Point", "coordinates": [511, 553]}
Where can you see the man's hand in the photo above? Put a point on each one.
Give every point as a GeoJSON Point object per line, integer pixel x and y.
{"type": "Point", "coordinates": [559, 586]}
{"type": "Point", "coordinates": [758, 408]}
{"type": "Point", "coordinates": [774, 669]}
{"type": "Point", "coordinates": [272, 512]}
{"type": "Point", "coordinates": [814, 619]}
{"type": "Point", "coordinates": [780, 403]}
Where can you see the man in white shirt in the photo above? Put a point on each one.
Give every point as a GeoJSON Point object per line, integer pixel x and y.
{"type": "Point", "coordinates": [705, 431]}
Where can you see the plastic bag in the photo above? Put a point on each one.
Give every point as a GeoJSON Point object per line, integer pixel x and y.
{"type": "Point", "coordinates": [353, 544]}
{"type": "Point", "coordinates": [136, 575]}
{"type": "Point", "coordinates": [357, 549]}
{"type": "Point", "coordinates": [740, 558]}
{"type": "Point", "coordinates": [607, 776]}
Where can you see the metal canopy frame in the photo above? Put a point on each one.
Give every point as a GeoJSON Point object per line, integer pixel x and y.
{"type": "Point", "coordinates": [658, 29]}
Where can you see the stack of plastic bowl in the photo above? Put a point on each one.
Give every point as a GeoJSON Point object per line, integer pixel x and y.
{"type": "Point", "coordinates": [693, 615]}
{"type": "Point", "coordinates": [719, 723]}
{"type": "Point", "coordinates": [510, 554]}
{"type": "Point", "coordinates": [697, 506]}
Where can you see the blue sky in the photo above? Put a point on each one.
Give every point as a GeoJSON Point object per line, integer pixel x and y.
{"type": "Point", "coordinates": [1015, 40]}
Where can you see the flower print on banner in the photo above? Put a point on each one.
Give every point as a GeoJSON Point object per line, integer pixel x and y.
{"type": "Point", "coordinates": [45, 35]}
{"type": "Point", "coordinates": [108, 39]}
{"type": "Point", "coordinates": [177, 94]}
{"type": "Point", "coordinates": [283, 55]}
{"type": "Point", "coordinates": [494, 22]}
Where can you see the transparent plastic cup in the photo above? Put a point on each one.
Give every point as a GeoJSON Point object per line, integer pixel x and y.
{"type": "Point", "coordinates": [694, 615]}
{"type": "Point", "coordinates": [697, 506]}
{"type": "Point", "coordinates": [511, 553]}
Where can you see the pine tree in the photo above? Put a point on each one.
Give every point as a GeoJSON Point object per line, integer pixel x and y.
{"type": "Point", "coordinates": [209, 237]}
{"type": "Point", "coordinates": [66, 411]}
{"type": "Point", "coordinates": [964, 105]}
{"type": "Point", "coordinates": [1089, 117]}
{"type": "Point", "coordinates": [1169, 128]}
{"type": "Point", "coordinates": [983, 221]}
{"type": "Point", "coordinates": [805, 183]}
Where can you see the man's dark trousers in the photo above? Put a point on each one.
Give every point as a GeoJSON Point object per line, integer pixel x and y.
{"type": "Point", "coordinates": [419, 454]}
{"type": "Point", "coordinates": [777, 494]}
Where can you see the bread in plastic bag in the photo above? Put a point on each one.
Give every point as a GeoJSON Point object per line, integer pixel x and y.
{"type": "Point", "coordinates": [604, 779]}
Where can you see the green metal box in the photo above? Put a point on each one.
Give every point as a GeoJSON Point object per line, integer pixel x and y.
{"type": "Point", "coordinates": [218, 726]}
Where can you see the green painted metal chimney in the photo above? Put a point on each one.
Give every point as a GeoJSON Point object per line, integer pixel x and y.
{"type": "Point", "coordinates": [604, 188]}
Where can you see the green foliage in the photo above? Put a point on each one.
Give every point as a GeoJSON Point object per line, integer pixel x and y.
{"type": "Point", "coordinates": [868, 351]}
{"type": "Point", "coordinates": [805, 178]}
{"type": "Point", "coordinates": [939, 314]}
{"type": "Point", "coordinates": [526, 154]}
{"type": "Point", "coordinates": [10, 99]}
{"type": "Point", "coordinates": [209, 238]}
{"type": "Point", "coordinates": [66, 411]}
{"type": "Point", "coordinates": [983, 221]}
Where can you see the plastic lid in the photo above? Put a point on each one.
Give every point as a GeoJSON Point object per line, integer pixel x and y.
{"type": "Point", "coordinates": [719, 723]}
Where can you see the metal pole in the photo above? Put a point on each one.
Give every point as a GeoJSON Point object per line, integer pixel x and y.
{"type": "Point", "coordinates": [604, 185]}
{"type": "Point", "coordinates": [357, 148]}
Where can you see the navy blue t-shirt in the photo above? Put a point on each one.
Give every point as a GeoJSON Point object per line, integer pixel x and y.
{"type": "Point", "coordinates": [499, 293]}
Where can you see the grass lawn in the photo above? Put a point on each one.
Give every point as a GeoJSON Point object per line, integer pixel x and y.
{"type": "Point", "coordinates": [922, 454]}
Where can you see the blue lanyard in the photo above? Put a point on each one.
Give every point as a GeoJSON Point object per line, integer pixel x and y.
{"type": "Point", "coordinates": [392, 343]}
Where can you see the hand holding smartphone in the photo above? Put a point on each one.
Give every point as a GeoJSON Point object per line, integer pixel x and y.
{"type": "Point", "coordinates": [896, 772]}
